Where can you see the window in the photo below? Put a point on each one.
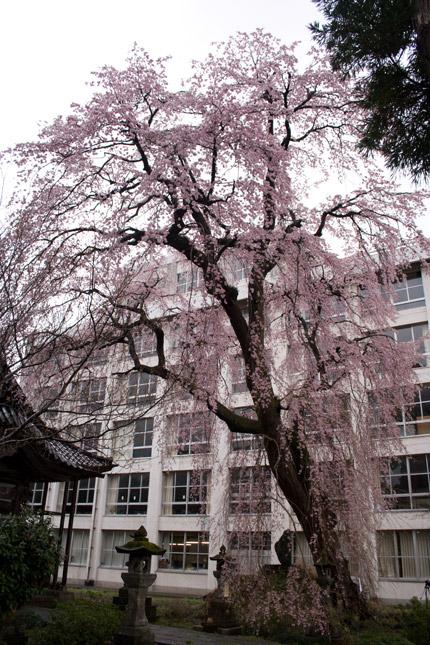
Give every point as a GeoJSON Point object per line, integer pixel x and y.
{"type": "Point", "coordinates": [109, 555]}
{"type": "Point", "coordinates": [187, 281]}
{"type": "Point", "coordinates": [190, 433]}
{"type": "Point", "coordinates": [406, 482]}
{"type": "Point", "coordinates": [409, 292]}
{"type": "Point", "coordinates": [327, 425]}
{"type": "Point", "coordinates": [404, 554]}
{"type": "Point", "coordinates": [239, 375]}
{"type": "Point", "coordinates": [250, 550]}
{"type": "Point", "coordinates": [49, 397]}
{"type": "Point", "coordinates": [415, 418]}
{"type": "Point", "coordinates": [338, 309]}
{"type": "Point", "coordinates": [250, 490]}
{"type": "Point", "coordinates": [186, 551]}
{"type": "Point", "coordinates": [143, 431]}
{"type": "Point", "coordinates": [99, 356]}
{"type": "Point", "coordinates": [142, 388]}
{"type": "Point", "coordinates": [302, 552]}
{"type": "Point", "coordinates": [128, 494]}
{"type": "Point", "coordinates": [414, 333]}
{"type": "Point", "coordinates": [85, 498]}
{"type": "Point", "coordinates": [245, 441]}
{"type": "Point", "coordinates": [145, 343]}
{"type": "Point", "coordinates": [92, 395]}
{"type": "Point", "coordinates": [78, 547]}
{"type": "Point", "coordinates": [185, 493]}
{"type": "Point", "coordinates": [240, 271]}
{"type": "Point", "coordinates": [90, 436]}
{"type": "Point", "coordinates": [37, 494]}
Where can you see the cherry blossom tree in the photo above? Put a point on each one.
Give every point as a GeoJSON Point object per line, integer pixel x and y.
{"type": "Point", "coordinates": [237, 175]}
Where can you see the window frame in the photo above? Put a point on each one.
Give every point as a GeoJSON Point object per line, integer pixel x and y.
{"type": "Point", "coordinates": [109, 557]}
{"type": "Point", "coordinates": [143, 391]}
{"type": "Point", "coordinates": [91, 433]}
{"type": "Point", "coordinates": [189, 280]}
{"type": "Point", "coordinates": [85, 497]}
{"type": "Point", "coordinates": [238, 375]}
{"type": "Point", "coordinates": [242, 484]}
{"type": "Point", "coordinates": [408, 478]}
{"type": "Point", "coordinates": [250, 549]}
{"type": "Point", "coordinates": [420, 341]}
{"type": "Point", "coordinates": [133, 488]}
{"type": "Point", "coordinates": [37, 491]}
{"type": "Point", "coordinates": [194, 490]}
{"type": "Point", "coordinates": [398, 561]}
{"type": "Point", "coordinates": [145, 436]}
{"type": "Point", "coordinates": [145, 343]}
{"type": "Point", "coordinates": [79, 547]}
{"type": "Point", "coordinates": [409, 302]}
{"type": "Point", "coordinates": [92, 394]}
{"type": "Point", "coordinates": [196, 436]}
{"type": "Point", "coordinates": [407, 417]}
{"type": "Point", "coordinates": [173, 540]}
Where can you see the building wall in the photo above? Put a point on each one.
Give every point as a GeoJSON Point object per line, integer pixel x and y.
{"type": "Point", "coordinates": [105, 570]}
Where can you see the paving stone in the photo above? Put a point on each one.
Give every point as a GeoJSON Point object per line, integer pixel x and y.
{"type": "Point", "coordinates": [173, 636]}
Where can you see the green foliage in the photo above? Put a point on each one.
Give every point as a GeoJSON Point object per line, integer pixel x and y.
{"type": "Point", "coordinates": [28, 554]}
{"type": "Point", "coordinates": [179, 612]}
{"type": "Point", "coordinates": [388, 639]}
{"type": "Point", "coordinates": [299, 638]}
{"type": "Point", "coordinates": [416, 618]}
{"type": "Point", "coordinates": [82, 622]}
{"type": "Point", "coordinates": [378, 42]}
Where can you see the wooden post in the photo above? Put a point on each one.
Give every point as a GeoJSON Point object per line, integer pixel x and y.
{"type": "Point", "coordinates": [69, 534]}
{"type": "Point", "coordinates": [61, 529]}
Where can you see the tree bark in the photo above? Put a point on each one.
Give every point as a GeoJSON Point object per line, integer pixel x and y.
{"type": "Point", "coordinates": [290, 466]}
{"type": "Point", "coordinates": [422, 28]}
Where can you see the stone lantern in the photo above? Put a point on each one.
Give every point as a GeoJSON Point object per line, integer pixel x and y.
{"type": "Point", "coordinates": [220, 616]}
{"type": "Point", "coordinates": [134, 629]}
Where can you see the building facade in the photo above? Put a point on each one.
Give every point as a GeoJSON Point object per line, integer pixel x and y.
{"type": "Point", "coordinates": [185, 477]}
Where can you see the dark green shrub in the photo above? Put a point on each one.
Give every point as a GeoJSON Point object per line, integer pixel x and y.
{"type": "Point", "coordinates": [387, 639]}
{"type": "Point", "coordinates": [416, 618]}
{"type": "Point", "coordinates": [82, 622]}
{"type": "Point", "coordinates": [298, 638]}
{"type": "Point", "coordinates": [28, 554]}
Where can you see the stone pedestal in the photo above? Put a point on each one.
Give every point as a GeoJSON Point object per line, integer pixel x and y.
{"type": "Point", "coordinates": [220, 616]}
{"type": "Point", "coordinates": [121, 600]}
{"type": "Point", "coordinates": [134, 629]}
{"type": "Point", "coordinates": [220, 619]}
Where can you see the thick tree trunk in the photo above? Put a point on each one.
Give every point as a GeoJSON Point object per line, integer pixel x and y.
{"type": "Point", "coordinates": [290, 467]}
{"type": "Point", "coordinates": [422, 27]}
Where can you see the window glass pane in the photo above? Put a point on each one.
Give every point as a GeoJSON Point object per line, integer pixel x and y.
{"type": "Point", "coordinates": [188, 551]}
{"type": "Point", "coordinates": [128, 494]}
{"type": "Point", "coordinates": [418, 463]}
{"type": "Point", "coordinates": [109, 555]}
{"type": "Point", "coordinates": [419, 484]}
{"type": "Point", "coordinates": [143, 434]}
{"type": "Point", "coordinates": [404, 334]}
{"type": "Point", "coordinates": [410, 489]}
{"type": "Point", "coordinates": [85, 497]}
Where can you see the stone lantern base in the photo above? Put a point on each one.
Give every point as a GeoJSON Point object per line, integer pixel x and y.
{"type": "Point", "coordinates": [220, 619]}
{"type": "Point", "coordinates": [134, 636]}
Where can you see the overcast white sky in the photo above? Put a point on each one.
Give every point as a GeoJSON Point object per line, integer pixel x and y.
{"type": "Point", "coordinates": [49, 48]}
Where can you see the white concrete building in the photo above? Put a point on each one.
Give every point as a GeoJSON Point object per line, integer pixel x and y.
{"type": "Point", "coordinates": [153, 483]}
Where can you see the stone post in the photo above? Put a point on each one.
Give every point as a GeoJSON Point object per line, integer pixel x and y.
{"type": "Point", "coordinates": [134, 629]}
